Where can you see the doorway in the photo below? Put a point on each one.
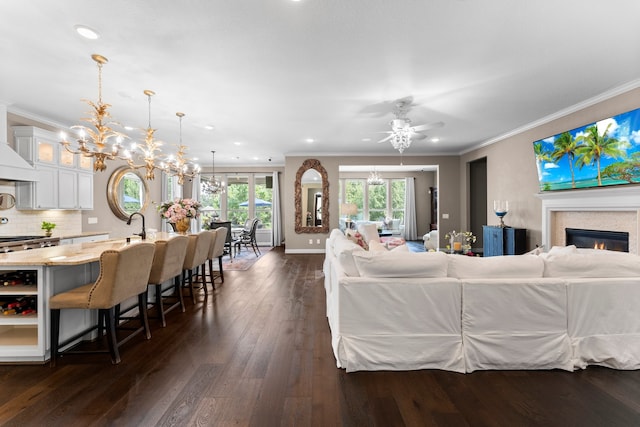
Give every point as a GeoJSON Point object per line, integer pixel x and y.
{"type": "Point", "coordinates": [478, 197]}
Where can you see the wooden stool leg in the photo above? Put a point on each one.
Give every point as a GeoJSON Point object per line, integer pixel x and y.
{"type": "Point", "coordinates": [159, 305]}
{"type": "Point", "coordinates": [213, 284]}
{"type": "Point", "coordinates": [221, 272]}
{"type": "Point", "coordinates": [110, 321]}
{"type": "Point", "coordinates": [55, 334]}
{"type": "Point", "coordinates": [193, 295]}
{"type": "Point", "coordinates": [178, 290]}
{"type": "Point", "coordinates": [204, 278]}
{"type": "Point", "coordinates": [144, 318]}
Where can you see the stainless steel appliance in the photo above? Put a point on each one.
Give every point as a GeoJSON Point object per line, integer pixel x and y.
{"type": "Point", "coordinates": [22, 243]}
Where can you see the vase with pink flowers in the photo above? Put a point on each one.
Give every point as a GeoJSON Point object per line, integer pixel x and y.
{"type": "Point", "coordinates": [178, 213]}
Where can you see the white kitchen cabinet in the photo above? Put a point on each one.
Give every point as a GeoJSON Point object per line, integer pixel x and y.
{"type": "Point", "coordinates": [84, 239]}
{"type": "Point", "coordinates": [42, 194]}
{"type": "Point", "coordinates": [66, 179]}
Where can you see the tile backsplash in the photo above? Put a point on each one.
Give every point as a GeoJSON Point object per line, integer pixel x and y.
{"type": "Point", "coordinates": [22, 223]}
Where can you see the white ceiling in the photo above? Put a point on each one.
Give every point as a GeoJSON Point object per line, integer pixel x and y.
{"type": "Point", "coordinates": [268, 74]}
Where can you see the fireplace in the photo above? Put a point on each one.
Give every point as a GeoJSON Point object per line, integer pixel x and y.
{"type": "Point", "coordinates": [613, 208]}
{"type": "Point", "coordinates": [597, 239]}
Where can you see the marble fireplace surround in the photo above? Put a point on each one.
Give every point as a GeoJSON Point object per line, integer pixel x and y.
{"type": "Point", "coordinates": [609, 208]}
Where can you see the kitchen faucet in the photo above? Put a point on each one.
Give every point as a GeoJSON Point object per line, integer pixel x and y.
{"type": "Point", "coordinates": [143, 233]}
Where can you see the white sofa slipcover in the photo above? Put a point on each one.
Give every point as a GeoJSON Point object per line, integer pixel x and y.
{"type": "Point", "coordinates": [513, 312]}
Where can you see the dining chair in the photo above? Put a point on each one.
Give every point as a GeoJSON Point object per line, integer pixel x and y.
{"type": "Point", "coordinates": [249, 239]}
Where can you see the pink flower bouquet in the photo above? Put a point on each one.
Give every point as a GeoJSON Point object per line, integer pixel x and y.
{"type": "Point", "coordinates": [175, 210]}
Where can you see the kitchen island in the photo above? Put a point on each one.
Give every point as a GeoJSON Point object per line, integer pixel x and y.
{"type": "Point", "coordinates": [29, 278]}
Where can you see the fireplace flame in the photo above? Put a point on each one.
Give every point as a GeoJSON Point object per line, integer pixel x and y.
{"type": "Point", "coordinates": [599, 246]}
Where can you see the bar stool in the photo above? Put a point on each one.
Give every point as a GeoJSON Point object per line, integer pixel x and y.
{"type": "Point", "coordinates": [217, 251]}
{"type": "Point", "coordinates": [196, 257]}
{"type": "Point", "coordinates": [168, 260]}
{"type": "Point", "coordinates": [124, 273]}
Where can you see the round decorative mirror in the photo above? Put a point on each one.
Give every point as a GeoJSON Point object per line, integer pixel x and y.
{"type": "Point", "coordinates": [7, 201]}
{"type": "Point", "coordinates": [312, 198]}
{"type": "Point", "coordinates": [127, 192]}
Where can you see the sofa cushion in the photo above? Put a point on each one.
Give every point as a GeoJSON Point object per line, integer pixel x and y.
{"type": "Point", "coordinates": [357, 238]}
{"type": "Point", "coordinates": [343, 250]}
{"type": "Point", "coordinates": [510, 266]}
{"type": "Point", "coordinates": [401, 264]}
{"type": "Point", "coordinates": [596, 264]}
{"type": "Point", "coordinates": [369, 232]}
{"type": "Point", "coordinates": [377, 246]}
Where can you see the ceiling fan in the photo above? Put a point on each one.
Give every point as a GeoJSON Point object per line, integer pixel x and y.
{"type": "Point", "coordinates": [402, 133]}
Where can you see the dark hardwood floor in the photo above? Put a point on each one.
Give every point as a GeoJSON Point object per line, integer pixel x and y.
{"type": "Point", "coordinates": [258, 352]}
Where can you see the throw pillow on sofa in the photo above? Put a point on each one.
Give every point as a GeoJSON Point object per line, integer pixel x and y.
{"type": "Point", "coordinates": [357, 238]}
{"type": "Point", "coordinates": [379, 246]}
{"type": "Point", "coordinates": [369, 232]}
{"type": "Point", "coordinates": [401, 264]}
{"type": "Point", "coordinates": [343, 250]}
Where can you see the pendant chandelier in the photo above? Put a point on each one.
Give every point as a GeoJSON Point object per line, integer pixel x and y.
{"type": "Point", "coordinates": [374, 178]}
{"type": "Point", "coordinates": [149, 153]}
{"type": "Point", "coordinates": [401, 139]}
{"type": "Point", "coordinates": [212, 186]}
{"type": "Point", "coordinates": [179, 166]}
{"type": "Point", "coordinates": [100, 142]}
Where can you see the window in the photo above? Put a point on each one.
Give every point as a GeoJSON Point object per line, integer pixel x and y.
{"type": "Point", "coordinates": [354, 193]}
{"type": "Point", "coordinates": [377, 201]}
{"type": "Point", "coordinates": [264, 197]}
{"type": "Point", "coordinates": [246, 196]}
{"type": "Point", "coordinates": [237, 199]}
{"type": "Point", "coordinates": [397, 199]}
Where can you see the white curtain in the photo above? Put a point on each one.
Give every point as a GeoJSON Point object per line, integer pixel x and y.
{"type": "Point", "coordinates": [276, 212]}
{"type": "Point", "coordinates": [410, 227]}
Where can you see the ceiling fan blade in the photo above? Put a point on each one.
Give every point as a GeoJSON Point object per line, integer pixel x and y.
{"type": "Point", "coordinates": [418, 136]}
{"type": "Point", "coordinates": [428, 126]}
{"type": "Point", "coordinates": [385, 139]}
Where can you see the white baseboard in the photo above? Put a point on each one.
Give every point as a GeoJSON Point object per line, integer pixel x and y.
{"type": "Point", "coordinates": [304, 251]}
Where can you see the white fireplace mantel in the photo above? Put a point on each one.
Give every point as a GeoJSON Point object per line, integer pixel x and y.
{"type": "Point", "coordinates": [623, 198]}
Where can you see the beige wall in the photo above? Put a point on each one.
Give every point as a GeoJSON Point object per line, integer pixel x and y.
{"type": "Point", "coordinates": [448, 190]}
{"type": "Point", "coordinates": [511, 166]}
{"type": "Point", "coordinates": [511, 175]}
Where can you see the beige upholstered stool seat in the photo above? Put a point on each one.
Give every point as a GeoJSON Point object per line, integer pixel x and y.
{"type": "Point", "coordinates": [124, 274]}
{"type": "Point", "coordinates": [167, 265]}
{"type": "Point", "coordinates": [196, 257]}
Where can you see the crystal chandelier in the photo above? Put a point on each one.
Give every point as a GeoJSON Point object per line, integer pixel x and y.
{"type": "Point", "coordinates": [374, 178]}
{"type": "Point", "coordinates": [179, 166]}
{"type": "Point", "coordinates": [94, 142]}
{"type": "Point", "coordinates": [212, 186]}
{"type": "Point", "coordinates": [150, 152]}
{"type": "Point", "coordinates": [401, 139]}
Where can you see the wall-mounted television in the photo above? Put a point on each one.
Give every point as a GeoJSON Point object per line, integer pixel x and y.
{"type": "Point", "coordinates": [603, 153]}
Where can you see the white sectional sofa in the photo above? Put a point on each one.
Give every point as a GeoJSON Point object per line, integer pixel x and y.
{"type": "Point", "coordinates": [566, 309]}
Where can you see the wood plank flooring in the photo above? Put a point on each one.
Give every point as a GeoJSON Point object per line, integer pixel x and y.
{"type": "Point", "coordinates": [257, 352]}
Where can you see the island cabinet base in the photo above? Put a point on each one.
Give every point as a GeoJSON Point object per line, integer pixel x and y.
{"type": "Point", "coordinates": [24, 338]}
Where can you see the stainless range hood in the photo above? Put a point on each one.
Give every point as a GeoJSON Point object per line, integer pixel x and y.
{"type": "Point", "coordinates": [12, 166]}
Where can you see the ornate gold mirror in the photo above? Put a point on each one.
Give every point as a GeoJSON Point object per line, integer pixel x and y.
{"type": "Point", "coordinates": [7, 201]}
{"type": "Point", "coordinates": [312, 198]}
{"type": "Point", "coordinates": [127, 192]}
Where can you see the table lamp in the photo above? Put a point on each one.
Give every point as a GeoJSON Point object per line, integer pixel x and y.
{"type": "Point", "coordinates": [348, 209]}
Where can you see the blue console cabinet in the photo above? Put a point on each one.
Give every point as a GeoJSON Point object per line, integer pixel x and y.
{"type": "Point", "coordinates": [504, 240]}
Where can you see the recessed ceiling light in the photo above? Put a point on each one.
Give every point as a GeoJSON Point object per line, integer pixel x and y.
{"type": "Point", "coordinates": [366, 139]}
{"type": "Point", "coordinates": [256, 158]}
{"type": "Point", "coordinates": [435, 139]}
{"type": "Point", "coordinates": [86, 32]}
{"type": "Point", "coordinates": [209, 127]}
{"type": "Point", "coordinates": [237, 143]}
{"type": "Point", "coordinates": [309, 140]}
